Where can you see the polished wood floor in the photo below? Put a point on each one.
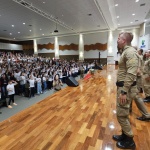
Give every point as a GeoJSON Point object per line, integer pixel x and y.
{"type": "Point", "coordinates": [75, 118]}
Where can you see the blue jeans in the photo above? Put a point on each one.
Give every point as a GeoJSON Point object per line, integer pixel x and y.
{"type": "Point", "coordinates": [44, 85]}
{"type": "Point", "coordinates": [39, 88]}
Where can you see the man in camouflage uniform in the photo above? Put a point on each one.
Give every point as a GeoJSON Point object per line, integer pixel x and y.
{"type": "Point", "coordinates": [139, 73]}
{"type": "Point", "coordinates": [146, 78]}
{"type": "Point", "coordinates": [126, 77]}
{"type": "Point", "coordinates": [134, 95]}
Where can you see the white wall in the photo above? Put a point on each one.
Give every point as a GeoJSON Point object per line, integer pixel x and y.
{"type": "Point", "coordinates": [147, 30]}
{"type": "Point", "coordinates": [89, 39]}
{"type": "Point", "coordinates": [10, 46]}
{"type": "Point", "coordinates": [94, 38]}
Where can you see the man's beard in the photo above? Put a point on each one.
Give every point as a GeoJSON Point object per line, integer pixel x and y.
{"type": "Point", "coordinates": [119, 49]}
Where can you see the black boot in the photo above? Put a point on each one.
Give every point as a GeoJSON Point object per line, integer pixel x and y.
{"type": "Point", "coordinates": [147, 99]}
{"type": "Point", "coordinates": [119, 137]}
{"type": "Point", "coordinates": [127, 143]}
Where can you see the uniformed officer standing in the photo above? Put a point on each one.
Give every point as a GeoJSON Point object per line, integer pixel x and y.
{"type": "Point", "coordinates": [127, 72]}
{"type": "Point", "coordinates": [139, 73]}
{"type": "Point", "coordinates": [146, 78]}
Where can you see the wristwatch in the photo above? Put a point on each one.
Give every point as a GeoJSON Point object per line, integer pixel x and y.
{"type": "Point", "coordinates": [123, 92]}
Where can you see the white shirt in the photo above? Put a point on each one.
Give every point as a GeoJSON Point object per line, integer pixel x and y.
{"type": "Point", "coordinates": [31, 82]}
{"type": "Point", "coordinates": [11, 89]}
{"type": "Point", "coordinates": [38, 80]}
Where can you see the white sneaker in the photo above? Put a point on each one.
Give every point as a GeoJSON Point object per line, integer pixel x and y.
{"type": "Point", "coordinates": [15, 104]}
{"type": "Point", "coordinates": [9, 106]}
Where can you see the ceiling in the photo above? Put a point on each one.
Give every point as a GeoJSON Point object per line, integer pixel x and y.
{"type": "Point", "coordinates": [71, 16]}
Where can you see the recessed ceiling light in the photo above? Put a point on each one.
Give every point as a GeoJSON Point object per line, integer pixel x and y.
{"type": "Point", "coordinates": [117, 16]}
{"type": "Point", "coordinates": [133, 14]}
{"type": "Point", "coordinates": [24, 23]}
{"type": "Point", "coordinates": [10, 33]}
{"type": "Point", "coordinates": [118, 24]}
{"type": "Point", "coordinates": [40, 29]}
{"type": "Point", "coordinates": [14, 38]}
{"type": "Point", "coordinates": [136, 1]}
{"type": "Point", "coordinates": [131, 22]}
{"type": "Point", "coordinates": [43, 2]}
{"type": "Point", "coordinates": [116, 5]}
{"type": "Point", "coordinates": [42, 34]}
{"type": "Point", "coordinates": [12, 25]}
{"type": "Point", "coordinates": [145, 20]}
{"type": "Point", "coordinates": [19, 32]}
{"type": "Point", "coordinates": [62, 15]}
{"type": "Point", "coordinates": [30, 30]}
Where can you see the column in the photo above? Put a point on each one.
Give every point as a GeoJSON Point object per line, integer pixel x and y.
{"type": "Point", "coordinates": [35, 47]}
{"type": "Point", "coordinates": [56, 46]}
{"type": "Point", "coordinates": [81, 47]}
{"type": "Point", "coordinates": [110, 44]}
{"type": "Point", "coordinates": [142, 29]}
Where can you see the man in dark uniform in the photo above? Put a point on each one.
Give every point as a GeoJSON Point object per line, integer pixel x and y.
{"type": "Point", "coordinates": [126, 77]}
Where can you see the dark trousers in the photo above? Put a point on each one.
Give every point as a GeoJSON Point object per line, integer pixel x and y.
{"type": "Point", "coordinates": [50, 84]}
{"type": "Point", "coordinates": [11, 98]}
{"type": "Point", "coordinates": [32, 91]}
{"type": "Point", "coordinates": [3, 92]}
{"type": "Point", "coordinates": [22, 88]}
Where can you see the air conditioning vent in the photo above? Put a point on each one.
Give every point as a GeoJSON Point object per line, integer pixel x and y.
{"type": "Point", "coordinates": [142, 4]}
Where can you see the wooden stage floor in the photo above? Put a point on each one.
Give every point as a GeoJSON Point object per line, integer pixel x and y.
{"type": "Point", "coordinates": [75, 118]}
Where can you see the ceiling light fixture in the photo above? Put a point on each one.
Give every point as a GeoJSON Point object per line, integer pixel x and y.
{"type": "Point", "coordinates": [30, 30]}
{"type": "Point", "coordinates": [19, 32]}
{"type": "Point", "coordinates": [145, 20]}
{"type": "Point", "coordinates": [14, 38]}
{"type": "Point", "coordinates": [117, 16]}
{"type": "Point", "coordinates": [56, 31]}
{"type": "Point", "coordinates": [43, 2]}
{"type": "Point", "coordinates": [42, 34]}
{"type": "Point", "coordinates": [40, 29]}
{"type": "Point", "coordinates": [12, 25]}
{"type": "Point", "coordinates": [10, 33]}
{"type": "Point", "coordinates": [118, 24]}
{"type": "Point", "coordinates": [133, 14]}
{"type": "Point", "coordinates": [116, 5]}
{"type": "Point", "coordinates": [131, 22]}
{"type": "Point", "coordinates": [137, 1]}
{"type": "Point", "coordinates": [24, 23]}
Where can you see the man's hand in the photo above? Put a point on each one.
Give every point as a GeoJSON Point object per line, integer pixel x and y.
{"type": "Point", "coordinates": [122, 99]}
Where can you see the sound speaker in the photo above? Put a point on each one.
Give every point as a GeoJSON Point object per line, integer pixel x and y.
{"type": "Point", "coordinates": [99, 68]}
{"type": "Point", "coordinates": [71, 82]}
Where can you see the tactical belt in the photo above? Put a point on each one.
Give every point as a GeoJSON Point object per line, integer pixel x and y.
{"type": "Point", "coordinates": [121, 83]}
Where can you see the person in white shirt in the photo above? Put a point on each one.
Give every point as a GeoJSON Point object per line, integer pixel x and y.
{"type": "Point", "coordinates": [39, 84]}
{"type": "Point", "coordinates": [22, 83]}
{"type": "Point", "coordinates": [31, 86]}
{"type": "Point", "coordinates": [50, 80]}
{"type": "Point", "coordinates": [11, 92]}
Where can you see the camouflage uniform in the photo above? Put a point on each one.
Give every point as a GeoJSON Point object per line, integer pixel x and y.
{"type": "Point", "coordinates": [146, 73]}
{"type": "Point", "coordinates": [127, 72]}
